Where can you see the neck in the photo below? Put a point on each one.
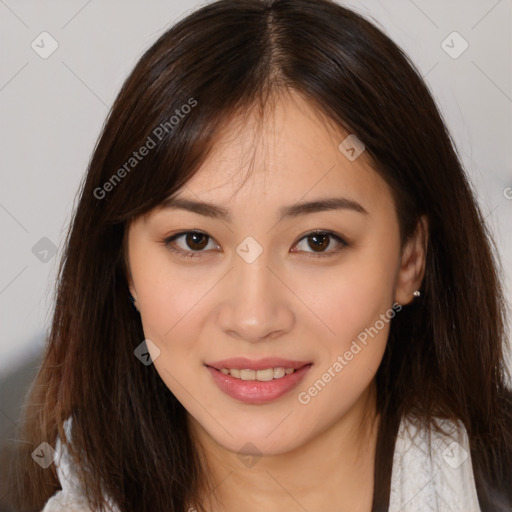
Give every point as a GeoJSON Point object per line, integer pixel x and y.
{"type": "Point", "coordinates": [334, 470]}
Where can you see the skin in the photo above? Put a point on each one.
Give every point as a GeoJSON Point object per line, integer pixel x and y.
{"type": "Point", "coordinates": [287, 303]}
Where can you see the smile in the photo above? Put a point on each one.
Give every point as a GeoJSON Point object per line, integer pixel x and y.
{"type": "Point", "coordinates": [257, 385]}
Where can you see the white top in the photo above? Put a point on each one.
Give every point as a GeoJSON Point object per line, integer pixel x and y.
{"type": "Point", "coordinates": [426, 476]}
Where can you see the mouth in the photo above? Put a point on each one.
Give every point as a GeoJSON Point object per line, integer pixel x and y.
{"type": "Point", "coordinates": [257, 382]}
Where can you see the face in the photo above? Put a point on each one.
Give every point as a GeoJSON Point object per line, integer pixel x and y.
{"type": "Point", "coordinates": [272, 289]}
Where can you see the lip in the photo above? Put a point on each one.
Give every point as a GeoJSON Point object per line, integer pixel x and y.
{"type": "Point", "coordinates": [254, 391]}
{"type": "Point", "coordinates": [243, 363]}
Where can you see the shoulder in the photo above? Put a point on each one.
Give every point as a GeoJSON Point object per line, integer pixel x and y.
{"type": "Point", "coordinates": [65, 501]}
{"type": "Point", "coordinates": [432, 469]}
{"type": "Point", "coordinates": [72, 497]}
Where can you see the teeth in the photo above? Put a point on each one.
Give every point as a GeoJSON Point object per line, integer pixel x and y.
{"type": "Point", "coordinates": [247, 374]}
{"type": "Point", "coordinates": [280, 372]}
{"type": "Point", "coordinates": [262, 375]}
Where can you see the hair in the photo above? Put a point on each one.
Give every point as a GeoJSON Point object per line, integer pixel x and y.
{"type": "Point", "coordinates": [445, 356]}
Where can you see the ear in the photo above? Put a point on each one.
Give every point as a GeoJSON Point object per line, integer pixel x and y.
{"type": "Point", "coordinates": [131, 288]}
{"type": "Point", "coordinates": [129, 277]}
{"type": "Point", "coordinates": [412, 267]}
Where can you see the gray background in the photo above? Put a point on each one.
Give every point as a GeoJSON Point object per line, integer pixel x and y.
{"type": "Point", "coordinates": [52, 111]}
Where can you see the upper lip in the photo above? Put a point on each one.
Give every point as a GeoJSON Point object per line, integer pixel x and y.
{"type": "Point", "coordinates": [256, 364]}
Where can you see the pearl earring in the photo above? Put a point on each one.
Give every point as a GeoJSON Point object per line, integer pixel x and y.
{"type": "Point", "coordinates": [417, 293]}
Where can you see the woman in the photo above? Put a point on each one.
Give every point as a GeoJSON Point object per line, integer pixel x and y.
{"type": "Point", "coordinates": [326, 333]}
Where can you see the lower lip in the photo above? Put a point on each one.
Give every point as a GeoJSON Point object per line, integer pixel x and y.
{"type": "Point", "coordinates": [255, 391]}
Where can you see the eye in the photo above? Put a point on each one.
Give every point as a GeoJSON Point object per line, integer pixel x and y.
{"type": "Point", "coordinates": [320, 241]}
{"type": "Point", "coordinates": [196, 241]}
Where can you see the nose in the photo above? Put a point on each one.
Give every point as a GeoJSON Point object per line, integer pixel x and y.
{"type": "Point", "coordinates": [257, 304]}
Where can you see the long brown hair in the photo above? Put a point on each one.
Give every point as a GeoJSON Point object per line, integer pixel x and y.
{"type": "Point", "coordinates": [445, 353]}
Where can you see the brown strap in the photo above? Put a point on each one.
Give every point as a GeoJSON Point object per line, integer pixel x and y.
{"type": "Point", "coordinates": [386, 438]}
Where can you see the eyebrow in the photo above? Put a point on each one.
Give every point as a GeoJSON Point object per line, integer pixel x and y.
{"type": "Point", "coordinates": [295, 210]}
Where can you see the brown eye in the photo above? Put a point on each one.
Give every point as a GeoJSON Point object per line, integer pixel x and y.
{"type": "Point", "coordinates": [319, 242]}
{"type": "Point", "coordinates": [193, 243]}
{"type": "Point", "coordinates": [196, 241]}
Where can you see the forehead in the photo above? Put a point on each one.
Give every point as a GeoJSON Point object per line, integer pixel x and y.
{"type": "Point", "coordinates": [290, 153]}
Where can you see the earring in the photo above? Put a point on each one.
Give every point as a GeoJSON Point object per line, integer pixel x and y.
{"type": "Point", "coordinates": [417, 293]}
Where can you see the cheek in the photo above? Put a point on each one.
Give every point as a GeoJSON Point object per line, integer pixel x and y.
{"type": "Point", "coordinates": [355, 305]}
{"type": "Point", "coordinates": [170, 318]}
{"type": "Point", "coordinates": [164, 307]}
{"type": "Point", "coordinates": [166, 293]}
{"type": "Point", "coordinates": [351, 297]}
{"type": "Point", "coordinates": [359, 316]}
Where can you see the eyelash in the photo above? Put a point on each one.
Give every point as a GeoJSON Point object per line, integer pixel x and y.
{"type": "Point", "coordinates": [193, 254]}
